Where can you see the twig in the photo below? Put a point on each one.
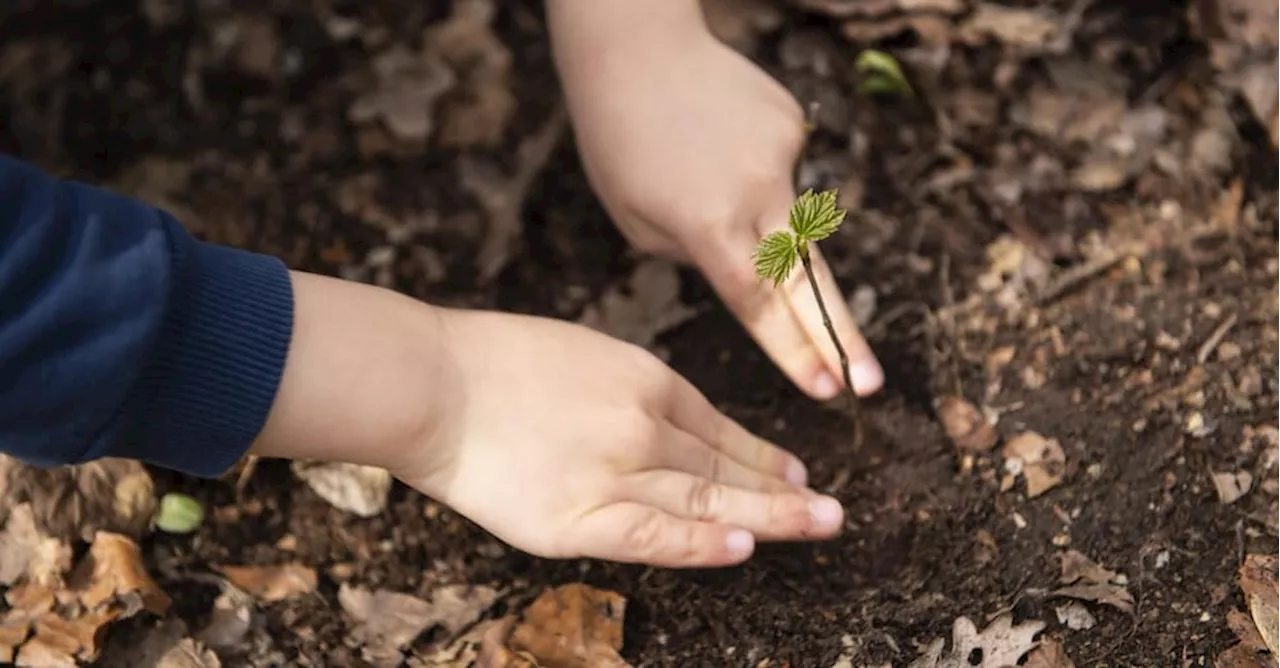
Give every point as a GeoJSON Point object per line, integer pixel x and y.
{"type": "Point", "coordinates": [1215, 338]}
{"type": "Point", "coordinates": [504, 201]}
{"type": "Point", "coordinates": [1073, 277]}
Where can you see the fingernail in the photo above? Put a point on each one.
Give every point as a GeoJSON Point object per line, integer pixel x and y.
{"type": "Point", "coordinates": [739, 542]}
{"type": "Point", "coordinates": [825, 386]}
{"type": "Point", "coordinates": [867, 376]}
{"type": "Point", "coordinates": [826, 511]}
{"type": "Point", "coordinates": [796, 473]}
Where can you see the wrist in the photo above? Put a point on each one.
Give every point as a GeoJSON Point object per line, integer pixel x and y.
{"type": "Point", "coordinates": [366, 377]}
{"type": "Point", "coordinates": [591, 37]}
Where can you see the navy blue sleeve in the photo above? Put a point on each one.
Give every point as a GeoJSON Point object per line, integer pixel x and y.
{"type": "Point", "coordinates": [123, 336]}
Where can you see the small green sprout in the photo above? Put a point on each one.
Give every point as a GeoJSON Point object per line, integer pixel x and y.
{"type": "Point", "coordinates": [879, 72]}
{"type": "Point", "coordinates": [179, 513]}
{"type": "Point", "coordinates": [813, 217]}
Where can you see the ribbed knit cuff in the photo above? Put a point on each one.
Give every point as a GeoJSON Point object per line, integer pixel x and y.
{"type": "Point", "coordinates": [205, 395]}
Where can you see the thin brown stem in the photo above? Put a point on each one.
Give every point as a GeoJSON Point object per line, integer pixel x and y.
{"type": "Point", "coordinates": [831, 331]}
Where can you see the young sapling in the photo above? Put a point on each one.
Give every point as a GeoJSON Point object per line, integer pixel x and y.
{"type": "Point", "coordinates": [813, 217]}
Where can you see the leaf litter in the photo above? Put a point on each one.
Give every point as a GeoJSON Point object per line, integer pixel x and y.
{"type": "Point", "coordinates": [1040, 460]}
{"type": "Point", "coordinates": [76, 502]}
{"type": "Point", "coordinates": [646, 307]}
{"type": "Point", "coordinates": [1002, 643]}
{"type": "Point", "coordinates": [387, 622]}
{"type": "Point", "coordinates": [571, 626]}
{"type": "Point", "coordinates": [354, 488]}
{"type": "Point", "coordinates": [273, 583]}
{"type": "Point", "coordinates": [1086, 580]}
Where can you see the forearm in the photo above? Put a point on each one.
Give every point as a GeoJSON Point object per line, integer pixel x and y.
{"type": "Point", "coordinates": [587, 35]}
{"type": "Point", "coordinates": [365, 379]}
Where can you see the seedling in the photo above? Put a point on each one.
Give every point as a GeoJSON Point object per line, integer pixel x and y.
{"type": "Point", "coordinates": [880, 73]}
{"type": "Point", "coordinates": [813, 217]}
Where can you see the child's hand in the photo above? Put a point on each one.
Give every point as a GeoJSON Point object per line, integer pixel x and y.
{"type": "Point", "coordinates": [691, 148]}
{"type": "Point", "coordinates": [567, 443]}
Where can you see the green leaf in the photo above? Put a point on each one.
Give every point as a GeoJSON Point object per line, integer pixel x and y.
{"type": "Point", "coordinates": [879, 72]}
{"type": "Point", "coordinates": [815, 216]}
{"type": "Point", "coordinates": [776, 256]}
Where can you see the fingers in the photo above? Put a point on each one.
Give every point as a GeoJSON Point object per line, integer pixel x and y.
{"type": "Point", "coordinates": [681, 451]}
{"type": "Point", "coordinates": [765, 312]}
{"type": "Point", "coordinates": [688, 410]}
{"type": "Point", "coordinates": [632, 532]}
{"type": "Point", "coordinates": [864, 370]}
{"type": "Point", "coordinates": [770, 516]}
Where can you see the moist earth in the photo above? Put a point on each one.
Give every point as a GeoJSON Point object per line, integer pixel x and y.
{"type": "Point", "coordinates": [1075, 232]}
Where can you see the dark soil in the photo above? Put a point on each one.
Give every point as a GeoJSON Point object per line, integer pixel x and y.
{"type": "Point", "coordinates": [1108, 368]}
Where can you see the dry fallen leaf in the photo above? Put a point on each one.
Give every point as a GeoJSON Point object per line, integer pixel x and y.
{"type": "Point", "coordinates": [1041, 459]}
{"type": "Point", "coordinates": [1242, 36]}
{"type": "Point", "coordinates": [1086, 580]}
{"type": "Point", "coordinates": [272, 583]}
{"type": "Point", "coordinates": [1001, 644]}
{"type": "Point", "coordinates": [461, 652]}
{"type": "Point", "coordinates": [1232, 486]}
{"type": "Point", "coordinates": [354, 488]}
{"type": "Point", "coordinates": [408, 85]}
{"type": "Point", "coordinates": [571, 626]}
{"type": "Point", "coordinates": [1049, 654]}
{"type": "Point", "coordinates": [648, 306]}
{"type": "Point", "coordinates": [1028, 28]}
{"type": "Point", "coordinates": [109, 584]}
{"type": "Point", "coordinates": [1258, 580]}
{"type": "Point", "coordinates": [229, 621]}
{"type": "Point", "coordinates": [27, 552]}
{"type": "Point", "coordinates": [75, 502]}
{"type": "Point", "coordinates": [475, 112]}
{"type": "Point", "coordinates": [964, 424]}
{"type": "Point", "coordinates": [388, 621]}
{"type": "Point", "coordinates": [165, 645]}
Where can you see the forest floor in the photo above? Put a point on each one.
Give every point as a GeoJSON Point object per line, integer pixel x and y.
{"type": "Point", "coordinates": [1069, 230]}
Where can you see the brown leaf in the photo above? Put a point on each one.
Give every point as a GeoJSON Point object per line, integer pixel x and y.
{"type": "Point", "coordinates": [1049, 654]}
{"type": "Point", "coordinates": [476, 112]}
{"type": "Point", "coordinates": [114, 573]}
{"type": "Point", "coordinates": [1246, 631]}
{"type": "Point", "coordinates": [1001, 644]}
{"type": "Point", "coordinates": [1076, 566]}
{"type": "Point", "coordinates": [1258, 580]}
{"type": "Point", "coordinates": [75, 502]}
{"type": "Point", "coordinates": [1231, 486]}
{"type": "Point", "coordinates": [462, 652]}
{"type": "Point", "coordinates": [229, 621]}
{"type": "Point", "coordinates": [964, 424]}
{"type": "Point", "coordinates": [648, 306]}
{"type": "Point", "coordinates": [1042, 461]}
{"type": "Point", "coordinates": [354, 488]}
{"type": "Point", "coordinates": [272, 583]}
{"type": "Point", "coordinates": [1088, 581]}
{"type": "Point", "coordinates": [27, 552]}
{"type": "Point", "coordinates": [1012, 26]}
{"type": "Point", "coordinates": [404, 97]}
{"type": "Point", "coordinates": [1240, 656]}
{"type": "Point", "coordinates": [387, 621]}
{"type": "Point", "coordinates": [571, 626]}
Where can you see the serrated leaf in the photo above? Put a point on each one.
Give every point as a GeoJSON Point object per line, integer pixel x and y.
{"type": "Point", "coordinates": [776, 256]}
{"type": "Point", "coordinates": [815, 216]}
{"type": "Point", "coordinates": [880, 73]}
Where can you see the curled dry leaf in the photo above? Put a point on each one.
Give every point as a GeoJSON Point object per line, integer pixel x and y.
{"type": "Point", "coordinates": [28, 553]}
{"type": "Point", "coordinates": [403, 99]}
{"type": "Point", "coordinates": [75, 502]}
{"type": "Point", "coordinates": [1049, 654]}
{"type": "Point", "coordinates": [354, 488]}
{"type": "Point", "coordinates": [1042, 461]}
{"type": "Point", "coordinates": [571, 626]}
{"type": "Point", "coordinates": [964, 424]}
{"type": "Point", "coordinates": [1258, 580]}
{"type": "Point", "coordinates": [272, 583]}
{"type": "Point", "coordinates": [1001, 644]}
{"type": "Point", "coordinates": [648, 306]}
{"type": "Point", "coordinates": [1086, 580]}
{"type": "Point", "coordinates": [110, 583]}
{"type": "Point", "coordinates": [387, 621]}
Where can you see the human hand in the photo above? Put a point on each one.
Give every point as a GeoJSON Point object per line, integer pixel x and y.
{"type": "Point", "coordinates": [691, 147]}
{"type": "Point", "coordinates": [566, 443]}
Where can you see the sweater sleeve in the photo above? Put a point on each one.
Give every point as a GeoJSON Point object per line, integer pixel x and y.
{"type": "Point", "coordinates": [123, 336]}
